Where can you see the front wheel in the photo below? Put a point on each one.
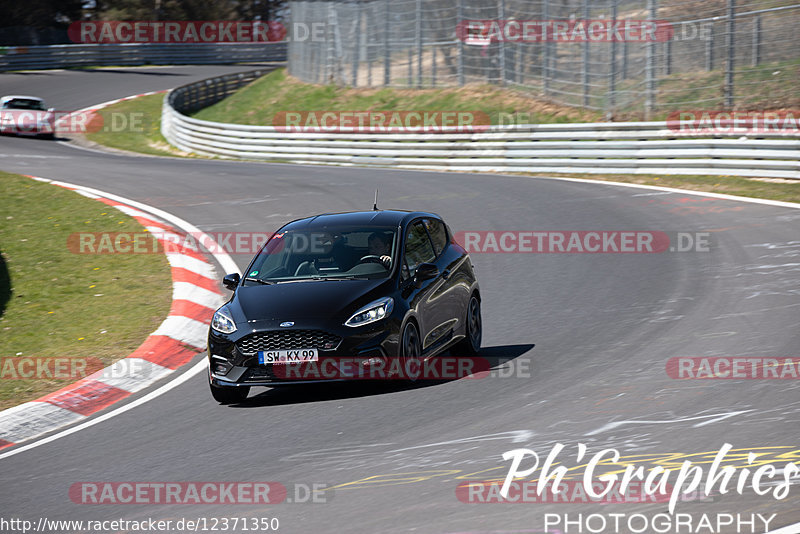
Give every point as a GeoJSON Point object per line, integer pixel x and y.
{"type": "Point", "coordinates": [471, 344]}
{"type": "Point", "coordinates": [410, 352]}
{"type": "Point", "coordinates": [230, 394]}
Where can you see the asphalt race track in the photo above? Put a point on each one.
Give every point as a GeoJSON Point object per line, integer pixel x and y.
{"type": "Point", "coordinates": [593, 332]}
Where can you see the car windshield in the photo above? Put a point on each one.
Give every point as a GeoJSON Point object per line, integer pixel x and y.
{"type": "Point", "coordinates": [326, 253]}
{"type": "Point", "coordinates": [24, 103]}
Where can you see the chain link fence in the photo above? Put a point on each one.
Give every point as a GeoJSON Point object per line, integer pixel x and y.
{"type": "Point", "coordinates": [705, 54]}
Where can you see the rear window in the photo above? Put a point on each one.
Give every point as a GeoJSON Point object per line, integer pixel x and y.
{"type": "Point", "coordinates": [24, 103]}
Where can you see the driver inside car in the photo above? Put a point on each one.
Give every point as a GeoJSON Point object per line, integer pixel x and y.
{"type": "Point", "coordinates": [380, 246]}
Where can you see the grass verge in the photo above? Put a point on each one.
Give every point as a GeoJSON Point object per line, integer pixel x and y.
{"type": "Point", "coordinates": [63, 304]}
{"type": "Point", "coordinates": [258, 102]}
{"type": "Point", "coordinates": [134, 125]}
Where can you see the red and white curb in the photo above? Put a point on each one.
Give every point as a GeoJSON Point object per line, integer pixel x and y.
{"type": "Point", "coordinates": [176, 341]}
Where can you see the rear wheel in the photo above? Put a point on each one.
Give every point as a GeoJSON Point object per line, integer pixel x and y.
{"type": "Point", "coordinates": [230, 394]}
{"type": "Point", "coordinates": [471, 344]}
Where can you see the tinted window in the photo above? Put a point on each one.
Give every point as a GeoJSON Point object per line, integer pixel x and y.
{"type": "Point", "coordinates": [418, 248]}
{"type": "Point", "coordinates": [438, 234]}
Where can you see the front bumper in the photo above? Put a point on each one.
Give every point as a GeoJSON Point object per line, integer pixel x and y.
{"type": "Point", "coordinates": [357, 350]}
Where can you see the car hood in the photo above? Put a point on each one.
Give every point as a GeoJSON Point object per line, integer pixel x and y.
{"type": "Point", "coordinates": [302, 300]}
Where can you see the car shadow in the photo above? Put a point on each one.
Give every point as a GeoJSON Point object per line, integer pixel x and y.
{"type": "Point", "coordinates": [497, 358]}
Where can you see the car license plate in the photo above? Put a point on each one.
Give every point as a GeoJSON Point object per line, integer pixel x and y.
{"type": "Point", "coordinates": [287, 356]}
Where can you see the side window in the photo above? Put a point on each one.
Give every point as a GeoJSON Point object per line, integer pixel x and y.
{"type": "Point", "coordinates": [438, 234]}
{"type": "Point", "coordinates": [418, 248]}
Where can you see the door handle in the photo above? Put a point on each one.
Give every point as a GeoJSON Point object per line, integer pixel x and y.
{"type": "Point", "coordinates": [446, 274]}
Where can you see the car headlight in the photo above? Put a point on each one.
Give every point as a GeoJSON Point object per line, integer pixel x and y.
{"type": "Point", "coordinates": [223, 322]}
{"type": "Point", "coordinates": [374, 311]}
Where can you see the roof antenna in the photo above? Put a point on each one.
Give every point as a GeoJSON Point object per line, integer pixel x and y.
{"type": "Point", "coordinates": [375, 205]}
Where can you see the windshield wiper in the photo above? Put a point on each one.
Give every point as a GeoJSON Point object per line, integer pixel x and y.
{"type": "Point", "coordinates": [260, 281]}
{"type": "Point", "coordinates": [337, 278]}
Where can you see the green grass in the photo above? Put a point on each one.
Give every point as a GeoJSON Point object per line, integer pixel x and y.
{"type": "Point", "coordinates": [63, 304]}
{"type": "Point", "coordinates": [138, 126]}
{"type": "Point", "coordinates": [257, 103]}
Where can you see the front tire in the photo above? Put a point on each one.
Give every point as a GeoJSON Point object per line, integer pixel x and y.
{"type": "Point", "coordinates": [410, 352]}
{"type": "Point", "coordinates": [230, 394]}
{"type": "Point", "coordinates": [471, 344]}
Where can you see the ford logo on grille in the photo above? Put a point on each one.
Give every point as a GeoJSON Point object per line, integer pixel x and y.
{"type": "Point", "coordinates": [287, 324]}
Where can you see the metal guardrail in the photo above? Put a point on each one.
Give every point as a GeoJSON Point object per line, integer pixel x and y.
{"type": "Point", "coordinates": [613, 148]}
{"type": "Point", "coordinates": [87, 55]}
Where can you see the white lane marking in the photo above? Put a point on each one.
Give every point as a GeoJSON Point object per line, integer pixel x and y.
{"type": "Point", "coordinates": [516, 436]}
{"type": "Point", "coordinates": [220, 255]}
{"type": "Point", "coordinates": [136, 213]}
{"type": "Point", "coordinates": [793, 205]}
{"type": "Point", "coordinates": [708, 419]}
{"type": "Point", "coordinates": [184, 329]}
{"type": "Point", "coordinates": [788, 529]}
{"type": "Point", "coordinates": [34, 418]}
{"type": "Point", "coordinates": [177, 381]}
{"type": "Point", "coordinates": [196, 294]}
{"type": "Point", "coordinates": [88, 195]}
{"type": "Point", "coordinates": [198, 267]}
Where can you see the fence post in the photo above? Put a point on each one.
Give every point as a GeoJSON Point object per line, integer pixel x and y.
{"type": "Point", "coordinates": [612, 72]}
{"type": "Point", "coordinates": [460, 60]}
{"type": "Point", "coordinates": [433, 67]}
{"type": "Point", "coordinates": [410, 65]}
{"type": "Point", "coordinates": [756, 41]}
{"type": "Point", "coordinates": [545, 49]}
{"type": "Point", "coordinates": [387, 66]}
{"type": "Point", "coordinates": [501, 48]}
{"type": "Point", "coordinates": [668, 57]}
{"type": "Point", "coordinates": [356, 44]}
{"type": "Point", "coordinates": [729, 61]}
{"type": "Point", "coordinates": [710, 49]}
{"type": "Point", "coordinates": [418, 27]}
{"type": "Point", "coordinates": [585, 69]}
{"type": "Point", "coordinates": [649, 69]}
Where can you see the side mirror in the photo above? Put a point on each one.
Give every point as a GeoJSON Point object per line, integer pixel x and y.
{"type": "Point", "coordinates": [425, 271]}
{"type": "Point", "coordinates": [230, 281]}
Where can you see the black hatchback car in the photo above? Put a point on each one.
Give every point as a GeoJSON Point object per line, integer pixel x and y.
{"type": "Point", "coordinates": [373, 287]}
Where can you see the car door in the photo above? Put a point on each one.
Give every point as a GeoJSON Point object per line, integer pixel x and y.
{"type": "Point", "coordinates": [425, 300]}
{"type": "Point", "coordinates": [450, 295]}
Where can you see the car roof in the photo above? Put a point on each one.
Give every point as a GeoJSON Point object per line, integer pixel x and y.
{"type": "Point", "coordinates": [361, 218]}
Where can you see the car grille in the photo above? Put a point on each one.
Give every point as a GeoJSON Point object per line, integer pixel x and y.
{"type": "Point", "coordinates": [288, 339]}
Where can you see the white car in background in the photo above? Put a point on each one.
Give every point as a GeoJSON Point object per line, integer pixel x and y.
{"type": "Point", "coordinates": [26, 115]}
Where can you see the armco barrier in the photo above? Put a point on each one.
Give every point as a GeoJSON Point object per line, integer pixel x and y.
{"type": "Point", "coordinates": [630, 148]}
{"type": "Point", "coordinates": [87, 55]}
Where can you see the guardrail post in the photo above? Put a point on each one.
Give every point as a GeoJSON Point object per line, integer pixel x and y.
{"type": "Point", "coordinates": [729, 62]}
